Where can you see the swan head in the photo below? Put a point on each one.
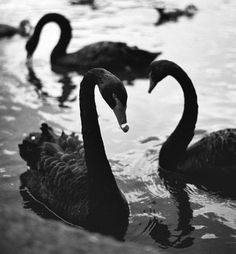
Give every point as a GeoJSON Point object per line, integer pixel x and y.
{"type": "Point", "coordinates": [190, 10]}
{"type": "Point", "coordinates": [25, 28]}
{"type": "Point", "coordinates": [114, 93]}
{"type": "Point", "coordinates": [158, 71]}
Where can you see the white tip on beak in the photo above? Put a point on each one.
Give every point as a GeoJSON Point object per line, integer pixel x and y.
{"type": "Point", "coordinates": [124, 127]}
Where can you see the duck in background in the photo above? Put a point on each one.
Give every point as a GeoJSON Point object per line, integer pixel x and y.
{"type": "Point", "coordinates": [172, 15]}
{"type": "Point", "coordinates": [73, 178]}
{"type": "Point", "coordinates": [84, 2]}
{"type": "Point", "coordinates": [124, 61]}
{"type": "Point", "coordinates": [24, 29]}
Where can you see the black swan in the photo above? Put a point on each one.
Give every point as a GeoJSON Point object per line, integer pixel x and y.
{"type": "Point", "coordinates": [72, 178]}
{"type": "Point", "coordinates": [174, 14]}
{"type": "Point", "coordinates": [24, 29]}
{"type": "Point", "coordinates": [116, 57]}
{"type": "Point", "coordinates": [211, 158]}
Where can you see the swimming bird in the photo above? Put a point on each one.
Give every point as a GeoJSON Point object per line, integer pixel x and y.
{"type": "Point", "coordinates": [116, 57]}
{"type": "Point", "coordinates": [211, 158]}
{"type": "Point", "coordinates": [74, 178]}
{"type": "Point", "coordinates": [173, 15]}
{"type": "Point", "coordinates": [24, 29]}
{"type": "Point", "coordinates": [83, 2]}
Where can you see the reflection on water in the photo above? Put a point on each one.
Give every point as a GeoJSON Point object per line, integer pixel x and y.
{"type": "Point", "coordinates": [36, 82]}
{"type": "Point", "coordinates": [166, 214]}
{"type": "Point", "coordinates": [182, 236]}
{"type": "Point", "coordinates": [67, 87]}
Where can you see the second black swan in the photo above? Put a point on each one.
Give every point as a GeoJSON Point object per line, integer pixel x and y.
{"type": "Point", "coordinates": [74, 178]}
{"type": "Point", "coordinates": [116, 57]}
{"type": "Point", "coordinates": [212, 157]}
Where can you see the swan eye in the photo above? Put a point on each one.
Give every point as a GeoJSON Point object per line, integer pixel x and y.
{"type": "Point", "coordinates": [118, 102]}
{"type": "Point", "coordinates": [115, 97]}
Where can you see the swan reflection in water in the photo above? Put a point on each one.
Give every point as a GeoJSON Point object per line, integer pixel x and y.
{"type": "Point", "coordinates": [180, 236]}
{"type": "Point", "coordinates": [67, 87]}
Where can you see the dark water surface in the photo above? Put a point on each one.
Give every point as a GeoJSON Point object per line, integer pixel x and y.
{"type": "Point", "coordinates": [173, 218]}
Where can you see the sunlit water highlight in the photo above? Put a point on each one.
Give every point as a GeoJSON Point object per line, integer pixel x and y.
{"type": "Point", "coordinates": [186, 219]}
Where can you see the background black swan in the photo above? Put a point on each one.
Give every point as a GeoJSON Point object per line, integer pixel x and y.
{"type": "Point", "coordinates": [24, 29]}
{"type": "Point", "coordinates": [116, 57]}
{"type": "Point", "coordinates": [72, 178]}
{"type": "Point", "coordinates": [173, 15]}
{"type": "Point", "coordinates": [214, 156]}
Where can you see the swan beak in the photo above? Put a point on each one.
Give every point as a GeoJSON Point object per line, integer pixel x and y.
{"type": "Point", "coordinates": [119, 111]}
{"type": "Point", "coordinates": [124, 127]}
{"type": "Point", "coordinates": [151, 85]}
{"type": "Point", "coordinates": [29, 62]}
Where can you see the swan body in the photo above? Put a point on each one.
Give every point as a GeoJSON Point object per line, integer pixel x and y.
{"type": "Point", "coordinates": [116, 57]}
{"type": "Point", "coordinates": [74, 178]}
{"type": "Point", "coordinates": [174, 14]}
{"type": "Point", "coordinates": [213, 155]}
{"type": "Point", "coordinates": [24, 29]}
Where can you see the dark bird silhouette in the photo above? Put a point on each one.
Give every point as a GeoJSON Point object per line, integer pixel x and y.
{"type": "Point", "coordinates": [124, 61]}
{"type": "Point", "coordinates": [173, 15]}
{"type": "Point", "coordinates": [74, 178]}
{"type": "Point", "coordinates": [24, 29]}
{"type": "Point", "coordinates": [84, 2]}
{"type": "Point", "coordinates": [212, 158]}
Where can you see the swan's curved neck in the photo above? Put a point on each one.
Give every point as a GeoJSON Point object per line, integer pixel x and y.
{"type": "Point", "coordinates": [98, 166]}
{"type": "Point", "coordinates": [65, 37]}
{"type": "Point", "coordinates": [174, 148]}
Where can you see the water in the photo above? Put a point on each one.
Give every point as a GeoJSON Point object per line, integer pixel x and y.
{"type": "Point", "coordinates": [171, 218]}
